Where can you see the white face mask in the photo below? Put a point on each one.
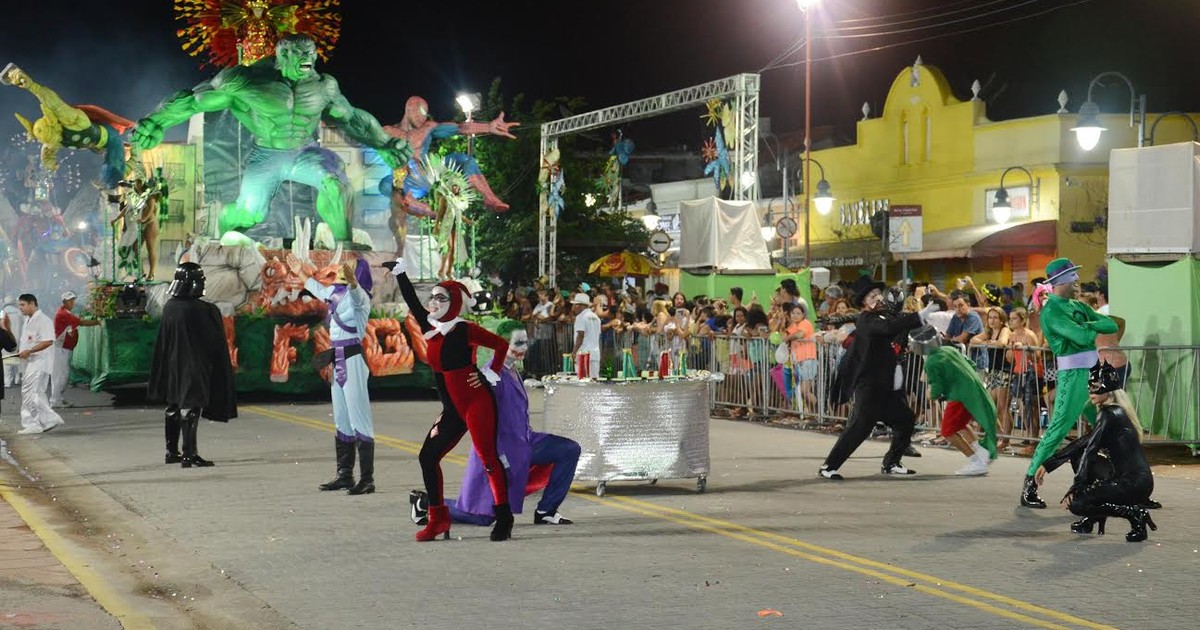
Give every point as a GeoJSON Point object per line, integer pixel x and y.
{"type": "Point", "coordinates": [439, 303]}
{"type": "Point", "coordinates": [518, 345]}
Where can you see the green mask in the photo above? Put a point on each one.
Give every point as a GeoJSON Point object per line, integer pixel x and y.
{"type": "Point", "coordinates": [296, 58]}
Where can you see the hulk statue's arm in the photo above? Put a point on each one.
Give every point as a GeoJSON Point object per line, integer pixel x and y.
{"type": "Point", "coordinates": [362, 127]}
{"type": "Point", "coordinates": [210, 96]}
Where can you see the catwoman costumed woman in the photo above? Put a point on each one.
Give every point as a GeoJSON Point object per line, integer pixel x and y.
{"type": "Point", "coordinates": [466, 403]}
{"type": "Point", "coordinates": [1119, 433]}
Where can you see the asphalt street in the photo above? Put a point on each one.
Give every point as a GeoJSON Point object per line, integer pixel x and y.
{"type": "Point", "coordinates": [251, 543]}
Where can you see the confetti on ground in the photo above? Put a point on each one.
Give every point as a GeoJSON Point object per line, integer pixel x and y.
{"type": "Point", "coordinates": [769, 613]}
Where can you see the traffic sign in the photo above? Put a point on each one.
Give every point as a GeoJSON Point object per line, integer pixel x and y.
{"type": "Point", "coordinates": [660, 241]}
{"type": "Point", "coordinates": [786, 227]}
{"type": "Point", "coordinates": [905, 229]}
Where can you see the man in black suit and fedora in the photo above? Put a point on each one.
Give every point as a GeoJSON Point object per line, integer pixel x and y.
{"type": "Point", "coordinates": [877, 385]}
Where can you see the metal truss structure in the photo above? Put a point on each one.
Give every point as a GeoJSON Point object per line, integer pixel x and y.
{"type": "Point", "coordinates": [742, 89]}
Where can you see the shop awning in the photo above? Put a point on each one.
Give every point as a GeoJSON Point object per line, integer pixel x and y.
{"type": "Point", "coordinates": [984, 241]}
{"type": "Point", "coordinates": [850, 253]}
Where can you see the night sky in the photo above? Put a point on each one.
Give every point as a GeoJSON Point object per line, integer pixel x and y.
{"type": "Point", "coordinates": [124, 55]}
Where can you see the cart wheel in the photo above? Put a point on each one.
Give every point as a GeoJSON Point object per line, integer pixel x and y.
{"type": "Point", "coordinates": [600, 488]}
{"type": "Point", "coordinates": [653, 481]}
{"type": "Point", "coordinates": [701, 484]}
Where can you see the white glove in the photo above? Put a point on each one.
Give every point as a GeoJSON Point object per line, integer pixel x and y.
{"type": "Point", "coordinates": [401, 267]}
{"type": "Point", "coordinates": [492, 377]}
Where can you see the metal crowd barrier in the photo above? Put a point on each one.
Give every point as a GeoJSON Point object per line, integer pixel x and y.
{"type": "Point", "coordinates": [1163, 381]}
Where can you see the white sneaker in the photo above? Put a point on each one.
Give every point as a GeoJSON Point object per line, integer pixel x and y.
{"type": "Point", "coordinates": [29, 431]}
{"type": "Point", "coordinates": [897, 469]}
{"type": "Point", "coordinates": [829, 474]}
{"type": "Point", "coordinates": [975, 466]}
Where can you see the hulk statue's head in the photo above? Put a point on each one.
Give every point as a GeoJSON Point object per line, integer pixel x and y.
{"type": "Point", "coordinates": [296, 57]}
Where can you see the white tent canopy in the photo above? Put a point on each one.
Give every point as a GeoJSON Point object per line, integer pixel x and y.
{"type": "Point", "coordinates": [722, 236]}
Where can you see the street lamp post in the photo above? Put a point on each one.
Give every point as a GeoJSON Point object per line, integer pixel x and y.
{"type": "Point", "coordinates": [469, 103]}
{"type": "Point", "coordinates": [805, 7]}
{"type": "Point", "coordinates": [1154, 126]}
{"type": "Point", "coordinates": [1088, 129]}
{"type": "Point", "coordinates": [1002, 208]}
{"type": "Point", "coordinates": [823, 201]}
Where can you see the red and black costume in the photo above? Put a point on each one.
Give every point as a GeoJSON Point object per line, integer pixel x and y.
{"type": "Point", "coordinates": [467, 404]}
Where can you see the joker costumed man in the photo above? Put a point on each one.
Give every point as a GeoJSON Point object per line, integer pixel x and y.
{"type": "Point", "coordinates": [466, 403]}
{"type": "Point", "coordinates": [535, 460]}
{"type": "Point", "coordinates": [348, 303]}
{"type": "Point", "coordinates": [953, 378]}
{"type": "Point", "coordinates": [1070, 328]}
{"type": "Point", "coordinates": [878, 386]}
{"type": "Point", "coordinates": [190, 369]}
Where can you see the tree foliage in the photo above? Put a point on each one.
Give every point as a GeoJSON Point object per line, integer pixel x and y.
{"type": "Point", "coordinates": [507, 243]}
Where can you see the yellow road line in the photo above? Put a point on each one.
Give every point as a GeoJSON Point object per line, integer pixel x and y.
{"type": "Point", "coordinates": [782, 544]}
{"type": "Point", "coordinates": [100, 590]}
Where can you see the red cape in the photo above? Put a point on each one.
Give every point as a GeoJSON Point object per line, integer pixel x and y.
{"type": "Point", "coordinates": [102, 116]}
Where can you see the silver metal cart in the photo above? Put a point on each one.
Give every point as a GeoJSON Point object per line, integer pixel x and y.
{"type": "Point", "coordinates": [633, 430]}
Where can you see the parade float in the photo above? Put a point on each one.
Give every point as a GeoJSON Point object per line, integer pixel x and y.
{"type": "Point", "coordinates": [241, 195]}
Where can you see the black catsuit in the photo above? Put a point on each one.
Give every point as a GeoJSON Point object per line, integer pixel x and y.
{"type": "Point", "coordinates": [1130, 481]}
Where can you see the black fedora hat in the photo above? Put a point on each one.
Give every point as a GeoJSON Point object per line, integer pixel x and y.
{"type": "Point", "coordinates": [862, 287]}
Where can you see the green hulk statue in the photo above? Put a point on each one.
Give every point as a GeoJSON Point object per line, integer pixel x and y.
{"type": "Point", "coordinates": [281, 101]}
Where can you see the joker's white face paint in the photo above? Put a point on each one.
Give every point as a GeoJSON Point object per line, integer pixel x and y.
{"type": "Point", "coordinates": [518, 345]}
{"type": "Point", "coordinates": [439, 303]}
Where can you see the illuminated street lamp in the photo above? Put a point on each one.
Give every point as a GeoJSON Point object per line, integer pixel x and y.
{"type": "Point", "coordinates": [1089, 128]}
{"type": "Point", "coordinates": [469, 103]}
{"type": "Point", "coordinates": [1002, 208]}
{"type": "Point", "coordinates": [823, 201]}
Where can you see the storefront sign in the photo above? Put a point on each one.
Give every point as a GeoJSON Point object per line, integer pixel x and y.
{"type": "Point", "coordinates": [1018, 198]}
{"type": "Point", "coordinates": [859, 212]}
{"type": "Point", "coordinates": [841, 261]}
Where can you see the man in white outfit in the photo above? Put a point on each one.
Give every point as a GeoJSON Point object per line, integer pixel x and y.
{"type": "Point", "coordinates": [587, 332]}
{"type": "Point", "coordinates": [12, 314]}
{"type": "Point", "coordinates": [37, 339]}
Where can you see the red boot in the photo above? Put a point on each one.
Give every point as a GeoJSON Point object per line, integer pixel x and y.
{"type": "Point", "coordinates": [439, 523]}
{"type": "Point", "coordinates": [480, 183]}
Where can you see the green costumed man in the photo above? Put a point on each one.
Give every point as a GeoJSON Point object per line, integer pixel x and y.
{"type": "Point", "coordinates": [951, 377]}
{"type": "Point", "coordinates": [1070, 327]}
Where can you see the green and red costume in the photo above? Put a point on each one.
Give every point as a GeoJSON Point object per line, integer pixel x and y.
{"type": "Point", "coordinates": [952, 377]}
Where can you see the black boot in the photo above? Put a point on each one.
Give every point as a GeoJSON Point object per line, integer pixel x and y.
{"type": "Point", "coordinates": [191, 422]}
{"type": "Point", "coordinates": [502, 530]}
{"type": "Point", "coordinates": [172, 434]}
{"type": "Point", "coordinates": [1138, 519]}
{"type": "Point", "coordinates": [1084, 525]}
{"type": "Point", "coordinates": [366, 469]}
{"type": "Point", "coordinates": [1029, 494]}
{"type": "Point", "coordinates": [345, 466]}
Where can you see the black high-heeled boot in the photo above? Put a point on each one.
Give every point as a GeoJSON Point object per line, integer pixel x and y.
{"type": "Point", "coordinates": [171, 431]}
{"type": "Point", "coordinates": [1084, 525]}
{"type": "Point", "coordinates": [1138, 519]}
{"type": "Point", "coordinates": [366, 470]}
{"type": "Point", "coordinates": [1029, 494]}
{"type": "Point", "coordinates": [502, 530]}
{"type": "Point", "coordinates": [345, 466]}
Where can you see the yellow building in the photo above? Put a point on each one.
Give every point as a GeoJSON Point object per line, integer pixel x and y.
{"type": "Point", "coordinates": [931, 152]}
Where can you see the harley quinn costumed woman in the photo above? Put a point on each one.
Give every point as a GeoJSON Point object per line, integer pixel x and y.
{"type": "Point", "coordinates": [467, 405]}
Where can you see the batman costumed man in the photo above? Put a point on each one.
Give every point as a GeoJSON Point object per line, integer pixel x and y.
{"type": "Point", "coordinates": [191, 370]}
{"type": "Point", "coordinates": [877, 384]}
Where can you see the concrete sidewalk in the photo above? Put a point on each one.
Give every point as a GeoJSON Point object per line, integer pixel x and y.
{"type": "Point", "coordinates": [250, 543]}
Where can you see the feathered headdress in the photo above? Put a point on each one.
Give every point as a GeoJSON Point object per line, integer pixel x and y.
{"type": "Point", "coordinates": [229, 32]}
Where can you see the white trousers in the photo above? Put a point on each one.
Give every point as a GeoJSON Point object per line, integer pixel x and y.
{"type": "Point", "coordinates": [352, 404]}
{"type": "Point", "coordinates": [12, 373]}
{"type": "Point", "coordinates": [35, 409]}
{"type": "Point", "coordinates": [60, 375]}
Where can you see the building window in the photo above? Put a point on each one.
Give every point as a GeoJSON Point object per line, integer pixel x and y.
{"type": "Point", "coordinates": [928, 138]}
